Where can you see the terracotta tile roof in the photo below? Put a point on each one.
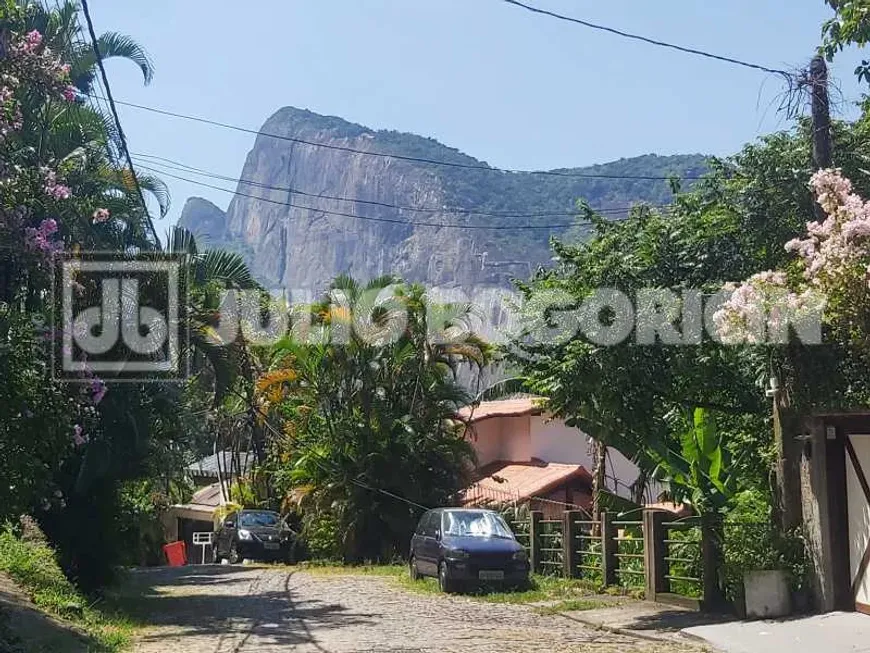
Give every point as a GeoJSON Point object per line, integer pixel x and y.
{"type": "Point", "coordinates": [502, 408]}
{"type": "Point", "coordinates": [513, 481]}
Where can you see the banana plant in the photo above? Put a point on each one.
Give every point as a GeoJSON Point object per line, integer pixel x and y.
{"type": "Point", "coordinates": [702, 472]}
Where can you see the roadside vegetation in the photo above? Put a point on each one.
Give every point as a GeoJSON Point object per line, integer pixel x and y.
{"type": "Point", "coordinates": [558, 594]}
{"type": "Point", "coordinates": [33, 566]}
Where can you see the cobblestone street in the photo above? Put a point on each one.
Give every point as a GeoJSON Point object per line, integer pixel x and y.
{"type": "Point", "coordinates": [236, 609]}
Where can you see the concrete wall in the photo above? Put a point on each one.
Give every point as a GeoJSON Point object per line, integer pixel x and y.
{"type": "Point", "coordinates": [555, 442]}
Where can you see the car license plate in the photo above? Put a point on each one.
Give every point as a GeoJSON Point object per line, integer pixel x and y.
{"type": "Point", "coordinates": [491, 575]}
{"type": "Point", "coordinates": [271, 546]}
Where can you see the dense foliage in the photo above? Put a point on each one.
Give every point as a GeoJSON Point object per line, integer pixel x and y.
{"type": "Point", "coordinates": [367, 430]}
{"type": "Point", "coordinates": [654, 397]}
{"type": "Point", "coordinates": [80, 455]}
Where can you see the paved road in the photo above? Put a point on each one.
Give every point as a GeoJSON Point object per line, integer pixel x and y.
{"type": "Point", "coordinates": [242, 609]}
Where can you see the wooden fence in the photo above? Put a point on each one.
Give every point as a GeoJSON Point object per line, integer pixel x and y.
{"type": "Point", "coordinates": [657, 554]}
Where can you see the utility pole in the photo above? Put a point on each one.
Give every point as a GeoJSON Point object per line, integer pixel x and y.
{"type": "Point", "coordinates": [786, 421]}
{"type": "Point", "coordinates": [821, 112]}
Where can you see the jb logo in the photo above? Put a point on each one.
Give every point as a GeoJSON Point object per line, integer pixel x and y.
{"type": "Point", "coordinates": [142, 329]}
{"type": "Point", "coordinates": [119, 316]}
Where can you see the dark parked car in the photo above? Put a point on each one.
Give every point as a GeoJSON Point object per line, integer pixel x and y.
{"type": "Point", "coordinates": [253, 535]}
{"type": "Point", "coordinates": [467, 546]}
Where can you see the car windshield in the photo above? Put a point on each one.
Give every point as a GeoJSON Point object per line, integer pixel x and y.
{"type": "Point", "coordinates": [253, 519]}
{"type": "Point", "coordinates": [475, 524]}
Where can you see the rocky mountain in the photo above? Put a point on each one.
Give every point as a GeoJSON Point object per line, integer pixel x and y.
{"type": "Point", "coordinates": [300, 239]}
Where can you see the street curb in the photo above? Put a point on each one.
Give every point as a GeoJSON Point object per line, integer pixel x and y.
{"type": "Point", "coordinates": [626, 632]}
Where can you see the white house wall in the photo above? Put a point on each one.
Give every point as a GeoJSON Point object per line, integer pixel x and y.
{"type": "Point", "coordinates": [555, 442]}
{"type": "Point", "coordinates": [502, 438]}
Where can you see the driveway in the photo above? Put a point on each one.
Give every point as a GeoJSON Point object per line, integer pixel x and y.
{"type": "Point", "coordinates": [216, 609]}
{"type": "Point", "coordinates": [838, 632]}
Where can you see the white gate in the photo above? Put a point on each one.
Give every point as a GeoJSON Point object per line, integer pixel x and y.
{"type": "Point", "coordinates": [858, 496]}
{"type": "Point", "coordinates": [203, 540]}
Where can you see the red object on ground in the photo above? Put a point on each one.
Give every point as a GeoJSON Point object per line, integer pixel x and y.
{"type": "Point", "coordinates": [176, 554]}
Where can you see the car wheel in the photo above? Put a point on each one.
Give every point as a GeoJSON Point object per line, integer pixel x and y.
{"type": "Point", "coordinates": [445, 584]}
{"type": "Point", "coordinates": [412, 569]}
{"type": "Point", "coordinates": [234, 558]}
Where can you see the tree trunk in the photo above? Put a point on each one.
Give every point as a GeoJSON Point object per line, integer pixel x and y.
{"type": "Point", "coordinates": [598, 476]}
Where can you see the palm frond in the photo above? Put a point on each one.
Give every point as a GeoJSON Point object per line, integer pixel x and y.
{"type": "Point", "coordinates": [228, 267]}
{"type": "Point", "coordinates": [181, 241]}
{"type": "Point", "coordinates": [504, 388]}
{"type": "Point", "coordinates": [78, 125]}
{"type": "Point", "coordinates": [158, 188]}
{"type": "Point", "coordinates": [112, 45]}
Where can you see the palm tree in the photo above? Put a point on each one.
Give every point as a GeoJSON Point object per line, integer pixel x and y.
{"type": "Point", "coordinates": [84, 136]}
{"type": "Point", "coordinates": [209, 276]}
{"type": "Point", "coordinates": [60, 29]}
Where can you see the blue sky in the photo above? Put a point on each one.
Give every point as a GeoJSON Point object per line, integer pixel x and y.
{"type": "Point", "coordinates": [511, 88]}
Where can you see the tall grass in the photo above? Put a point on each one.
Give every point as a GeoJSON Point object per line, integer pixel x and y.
{"type": "Point", "coordinates": [33, 566]}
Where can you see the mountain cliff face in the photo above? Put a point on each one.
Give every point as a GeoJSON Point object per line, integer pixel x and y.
{"type": "Point", "coordinates": [294, 240]}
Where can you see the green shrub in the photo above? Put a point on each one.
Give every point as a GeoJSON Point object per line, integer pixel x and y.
{"type": "Point", "coordinates": [33, 566]}
{"type": "Point", "coordinates": [320, 536]}
{"type": "Point", "coordinates": [685, 545]}
{"type": "Point", "coordinates": [753, 543]}
{"type": "Point", "coordinates": [633, 568]}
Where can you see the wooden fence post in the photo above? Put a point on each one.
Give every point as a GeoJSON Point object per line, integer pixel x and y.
{"type": "Point", "coordinates": [535, 541]}
{"type": "Point", "coordinates": [570, 544]}
{"type": "Point", "coordinates": [608, 550]}
{"type": "Point", "coordinates": [655, 551]}
{"type": "Point", "coordinates": [711, 563]}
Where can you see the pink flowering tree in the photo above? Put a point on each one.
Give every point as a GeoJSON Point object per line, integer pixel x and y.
{"type": "Point", "coordinates": [829, 282]}
{"type": "Point", "coordinates": [60, 192]}
{"type": "Point", "coordinates": [763, 310]}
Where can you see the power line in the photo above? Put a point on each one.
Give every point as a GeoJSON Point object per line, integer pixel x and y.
{"type": "Point", "coordinates": [148, 159]}
{"type": "Point", "coordinates": [121, 136]}
{"type": "Point", "coordinates": [645, 39]}
{"type": "Point", "coordinates": [402, 157]}
{"type": "Point", "coordinates": [315, 209]}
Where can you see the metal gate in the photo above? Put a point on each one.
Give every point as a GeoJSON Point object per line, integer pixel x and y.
{"type": "Point", "coordinates": [858, 502]}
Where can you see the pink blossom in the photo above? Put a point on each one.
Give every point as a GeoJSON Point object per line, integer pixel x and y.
{"type": "Point", "coordinates": [100, 215]}
{"type": "Point", "coordinates": [41, 237]}
{"type": "Point", "coordinates": [760, 309]}
{"type": "Point", "coordinates": [29, 60]}
{"type": "Point", "coordinates": [59, 192]}
{"type": "Point", "coordinates": [33, 39]}
{"type": "Point", "coordinates": [53, 188]}
{"type": "Point", "coordinates": [98, 390]}
{"type": "Point", "coordinates": [70, 93]}
{"type": "Point", "coordinates": [79, 438]}
{"type": "Point", "coordinates": [48, 226]}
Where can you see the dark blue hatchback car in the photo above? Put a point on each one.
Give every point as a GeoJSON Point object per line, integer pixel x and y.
{"type": "Point", "coordinates": [467, 546]}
